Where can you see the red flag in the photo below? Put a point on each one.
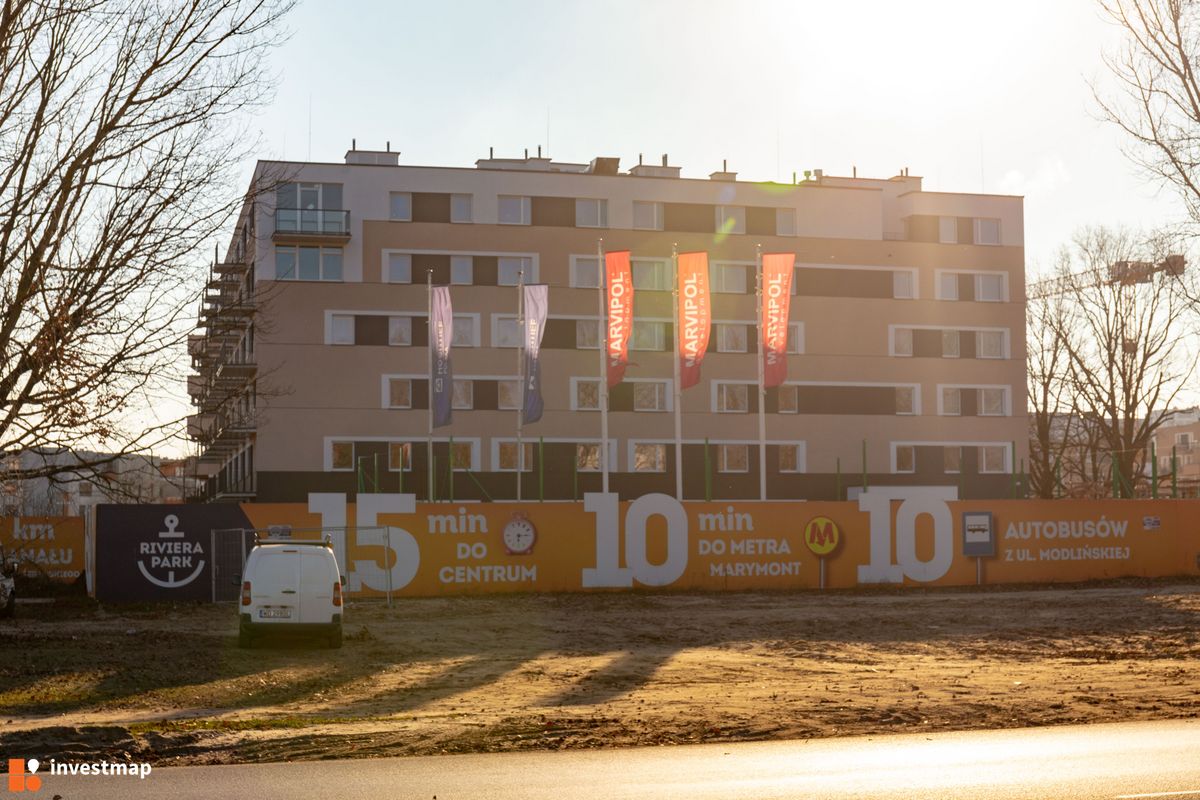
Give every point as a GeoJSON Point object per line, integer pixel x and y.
{"type": "Point", "coordinates": [620, 313]}
{"type": "Point", "coordinates": [695, 316]}
{"type": "Point", "coordinates": [778, 269]}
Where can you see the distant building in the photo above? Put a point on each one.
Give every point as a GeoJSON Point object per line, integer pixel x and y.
{"type": "Point", "coordinates": [125, 479]}
{"type": "Point", "coordinates": [1179, 439]}
{"type": "Point", "coordinates": [907, 357]}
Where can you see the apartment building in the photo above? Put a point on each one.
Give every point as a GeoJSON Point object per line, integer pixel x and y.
{"type": "Point", "coordinates": [1177, 447]}
{"type": "Point", "coordinates": [906, 341]}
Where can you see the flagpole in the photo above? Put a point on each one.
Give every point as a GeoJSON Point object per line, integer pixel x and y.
{"type": "Point", "coordinates": [520, 376]}
{"type": "Point", "coordinates": [762, 390]}
{"type": "Point", "coordinates": [603, 282]}
{"type": "Point", "coordinates": [678, 411]}
{"type": "Point", "coordinates": [430, 337]}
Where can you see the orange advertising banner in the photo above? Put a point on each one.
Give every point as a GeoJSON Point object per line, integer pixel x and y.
{"type": "Point", "coordinates": [911, 536]}
{"type": "Point", "coordinates": [619, 301]}
{"type": "Point", "coordinates": [777, 272]}
{"type": "Point", "coordinates": [46, 547]}
{"type": "Point", "coordinates": [695, 316]}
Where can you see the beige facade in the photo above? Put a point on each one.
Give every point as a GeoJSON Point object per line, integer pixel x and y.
{"type": "Point", "coordinates": [907, 342]}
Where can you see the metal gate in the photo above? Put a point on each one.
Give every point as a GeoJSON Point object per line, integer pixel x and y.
{"type": "Point", "coordinates": [229, 549]}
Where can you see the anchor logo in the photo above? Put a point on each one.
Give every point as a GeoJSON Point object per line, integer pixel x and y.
{"type": "Point", "coordinates": [171, 555]}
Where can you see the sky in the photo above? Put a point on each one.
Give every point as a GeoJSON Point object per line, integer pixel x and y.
{"type": "Point", "coordinates": [971, 96]}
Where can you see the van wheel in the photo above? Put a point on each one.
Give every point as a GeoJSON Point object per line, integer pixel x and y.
{"type": "Point", "coordinates": [245, 639]}
{"type": "Point", "coordinates": [335, 639]}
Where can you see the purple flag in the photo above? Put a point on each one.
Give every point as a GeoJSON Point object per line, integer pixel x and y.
{"type": "Point", "coordinates": [441, 332]}
{"type": "Point", "coordinates": [536, 301]}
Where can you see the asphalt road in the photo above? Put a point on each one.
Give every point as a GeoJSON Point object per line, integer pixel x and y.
{"type": "Point", "coordinates": [1125, 760]}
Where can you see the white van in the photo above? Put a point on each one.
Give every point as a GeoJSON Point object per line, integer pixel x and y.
{"type": "Point", "coordinates": [291, 587]}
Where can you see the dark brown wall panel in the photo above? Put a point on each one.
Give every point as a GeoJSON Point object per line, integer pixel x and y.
{"type": "Point", "coordinates": [370, 330]}
{"type": "Point", "coordinates": [430, 207]}
{"type": "Point", "coordinates": [922, 228]}
{"type": "Point", "coordinates": [966, 230]}
{"type": "Point", "coordinates": [844, 283]}
{"type": "Point", "coordinates": [760, 221]}
{"type": "Point", "coordinates": [422, 263]}
{"type": "Point", "coordinates": [689, 217]}
{"type": "Point", "coordinates": [553, 211]}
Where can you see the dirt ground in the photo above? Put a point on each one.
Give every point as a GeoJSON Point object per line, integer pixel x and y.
{"type": "Point", "coordinates": [169, 685]}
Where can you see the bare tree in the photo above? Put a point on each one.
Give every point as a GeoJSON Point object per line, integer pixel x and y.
{"type": "Point", "coordinates": [1109, 355]}
{"type": "Point", "coordinates": [120, 141]}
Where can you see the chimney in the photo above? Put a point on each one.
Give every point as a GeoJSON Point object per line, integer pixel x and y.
{"type": "Point", "coordinates": [664, 159]}
{"type": "Point", "coordinates": [539, 151]}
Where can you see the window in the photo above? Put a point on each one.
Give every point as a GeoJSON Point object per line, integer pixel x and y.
{"type": "Point", "coordinates": [948, 230]}
{"type": "Point", "coordinates": [991, 402]}
{"type": "Point", "coordinates": [462, 395]}
{"type": "Point", "coordinates": [795, 340]}
{"type": "Point", "coordinates": [400, 331]}
{"type": "Point", "coordinates": [591, 213]}
{"type": "Point", "coordinates": [650, 396]}
{"type": "Point", "coordinates": [399, 456]}
{"type": "Point", "coordinates": [460, 208]}
{"type": "Point", "coordinates": [587, 395]}
{"type": "Point", "coordinates": [513, 210]}
{"type": "Point", "coordinates": [789, 399]}
{"type": "Point", "coordinates": [647, 216]}
{"type": "Point", "coordinates": [400, 206]}
{"type": "Point", "coordinates": [508, 395]}
{"type": "Point", "coordinates": [511, 269]}
{"type": "Point", "coordinates": [585, 272]}
{"type": "Point", "coordinates": [341, 329]}
{"type": "Point", "coordinates": [508, 332]}
{"type": "Point", "coordinates": [1183, 439]}
{"type": "Point", "coordinates": [989, 288]}
{"type": "Point", "coordinates": [308, 263]}
{"type": "Point", "coordinates": [905, 458]}
{"type": "Point", "coordinates": [649, 458]}
{"type": "Point", "coordinates": [342, 455]}
{"type": "Point", "coordinates": [993, 458]}
{"type": "Point", "coordinates": [905, 400]}
{"type": "Point", "coordinates": [728, 278]}
{"type": "Point", "coordinates": [902, 285]}
{"type": "Point", "coordinates": [785, 222]}
{"type": "Point", "coordinates": [650, 274]}
{"type": "Point", "coordinates": [399, 268]}
{"type": "Point", "coordinates": [587, 334]}
{"type": "Point", "coordinates": [987, 231]}
{"type": "Point", "coordinates": [462, 270]}
{"type": "Point", "coordinates": [648, 335]}
{"type": "Point", "coordinates": [731, 338]}
{"type": "Point", "coordinates": [506, 454]}
{"type": "Point", "coordinates": [951, 401]}
{"type": "Point", "coordinates": [733, 458]}
{"type": "Point", "coordinates": [950, 344]}
{"type": "Point", "coordinates": [399, 393]}
{"type": "Point", "coordinates": [791, 458]}
{"type": "Point", "coordinates": [731, 219]}
{"type": "Point", "coordinates": [464, 331]}
{"type": "Point", "coordinates": [990, 344]}
{"type": "Point", "coordinates": [902, 344]}
{"type": "Point", "coordinates": [948, 286]}
{"type": "Point", "coordinates": [462, 456]}
{"type": "Point", "coordinates": [952, 459]}
{"type": "Point", "coordinates": [733, 398]}
{"type": "Point", "coordinates": [587, 457]}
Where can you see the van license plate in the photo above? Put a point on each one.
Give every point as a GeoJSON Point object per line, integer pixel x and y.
{"type": "Point", "coordinates": [275, 613]}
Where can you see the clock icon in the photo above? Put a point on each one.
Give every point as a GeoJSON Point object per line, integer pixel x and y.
{"type": "Point", "coordinates": [519, 535]}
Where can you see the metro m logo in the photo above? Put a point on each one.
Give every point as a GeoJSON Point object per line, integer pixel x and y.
{"type": "Point", "coordinates": [916, 500]}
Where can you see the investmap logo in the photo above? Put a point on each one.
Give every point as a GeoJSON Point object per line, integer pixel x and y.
{"type": "Point", "coordinates": [22, 775]}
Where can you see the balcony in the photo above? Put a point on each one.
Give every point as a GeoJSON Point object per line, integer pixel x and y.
{"type": "Point", "coordinates": [302, 225]}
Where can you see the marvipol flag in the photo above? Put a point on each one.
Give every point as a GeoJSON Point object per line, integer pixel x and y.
{"type": "Point", "coordinates": [441, 333]}
{"type": "Point", "coordinates": [535, 304]}
{"type": "Point", "coordinates": [695, 316]}
{"type": "Point", "coordinates": [619, 283]}
{"type": "Point", "coordinates": [778, 269]}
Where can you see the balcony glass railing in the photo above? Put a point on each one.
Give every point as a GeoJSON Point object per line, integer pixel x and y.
{"type": "Point", "coordinates": [317, 221]}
